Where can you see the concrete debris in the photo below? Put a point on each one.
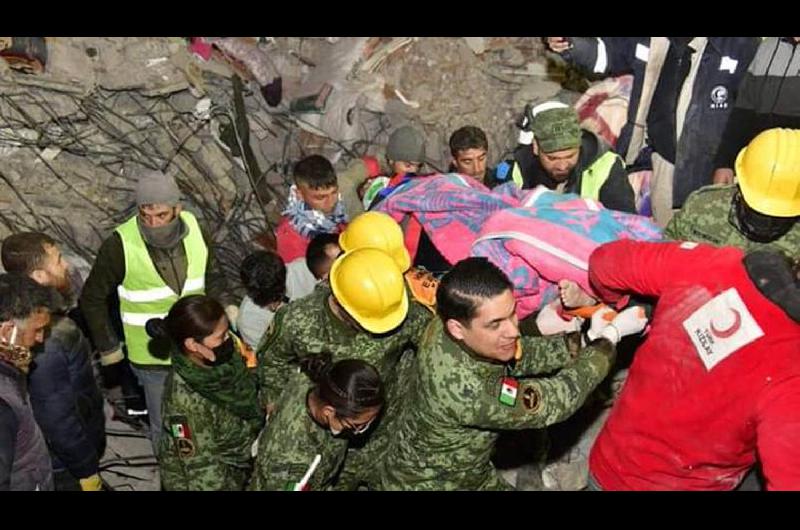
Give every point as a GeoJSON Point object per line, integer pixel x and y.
{"type": "Point", "coordinates": [50, 153]}
{"type": "Point", "coordinates": [476, 44]}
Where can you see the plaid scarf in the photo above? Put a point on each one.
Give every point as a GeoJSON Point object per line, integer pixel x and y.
{"type": "Point", "coordinates": [307, 221]}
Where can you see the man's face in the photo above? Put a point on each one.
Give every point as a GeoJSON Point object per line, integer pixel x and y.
{"type": "Point", "coordinates": [54, 271]}
{"type": "Point", "coordinates": [401, 167]}
{"type": "Point", "coordinates": [31, 331]}
{"type": "Point", "coordinates": [321, 199]}
{"type": "Point", "coordinates": [559, 164]}
{"type": "Point", "coordinates": [155, 215]}
{"type": "Point", "coordinates": [494, 330]}
{"type": "Point", "coordinates": [471, 162]}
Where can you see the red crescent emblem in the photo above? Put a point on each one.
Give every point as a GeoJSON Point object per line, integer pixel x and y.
{"type": "Point", "coordinates": [725, 333]}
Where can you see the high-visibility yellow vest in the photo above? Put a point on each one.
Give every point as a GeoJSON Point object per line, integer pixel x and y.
{"type": "Point", "coordinates": [595, 176]}
{"type": "Point", "coordinates": [143, 294]}
{"type": "Point", "coordinates": [592, 178]}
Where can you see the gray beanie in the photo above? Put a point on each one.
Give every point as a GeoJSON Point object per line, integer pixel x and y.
{"type": "Point", "coordinates": [406, 144]}
{"type": "Point", "coordinates": [154, 187]}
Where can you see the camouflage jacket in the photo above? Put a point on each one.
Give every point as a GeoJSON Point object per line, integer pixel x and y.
{"type": "Point", "coordinates": [704, 218]}
{"type": "Point", "coordinates": [308, 327]}
{"type": "Point", "coordinates": [205, 446]}
{"type": "Point", "coordinates": [291, 440]}
{"type": "Point", "coordinates": [447, 430]}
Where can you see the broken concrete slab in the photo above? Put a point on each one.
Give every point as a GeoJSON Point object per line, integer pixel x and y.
{"type": "Point", "coordinates": [476, 44]}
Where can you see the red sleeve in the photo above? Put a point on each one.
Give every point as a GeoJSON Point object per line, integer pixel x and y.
{"type": "Point", "coordinates": [290, 244]}
{"type": "Point", "coordinates": [372, 166]}
{"type": "Point", "coordinates": [778, 435]}
{"type": "Point", "coordinates": [639, 267]}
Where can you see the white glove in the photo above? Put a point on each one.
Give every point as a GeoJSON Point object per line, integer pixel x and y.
{"type": "Point", "coordinates": [600, 321]}
{"type": "Point", "coordinates": [550, 322]}
{"type": "Point", "coordinates": [573, 295]}
{"type": "Point", "coordinates": [628, 322]}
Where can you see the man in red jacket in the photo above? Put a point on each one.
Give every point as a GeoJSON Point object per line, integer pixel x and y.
{"type": "Point", "coordinates": [314, 207]}
{"type": "Point", "coordinates": [717, 379]}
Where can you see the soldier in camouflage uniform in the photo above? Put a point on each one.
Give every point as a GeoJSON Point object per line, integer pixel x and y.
{"type": "Point", "coordinates": [365, 314]}
{"type": "Point", "coordinates": [760, 211]}
{"type": "Point", "coordinates": [211, 415]}
{"type": "Point", "coordinates": [316, 417]}
{"type": "Point", "coordinates": [471, 380]}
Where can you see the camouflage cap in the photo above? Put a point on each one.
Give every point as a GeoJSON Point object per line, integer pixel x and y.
{"type": "Point", "coordinates": [555, 126]}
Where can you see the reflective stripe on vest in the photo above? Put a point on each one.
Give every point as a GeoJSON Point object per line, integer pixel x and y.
{"type": "Point", "coordinates": [516, 175]}
{"type": "Point", "coordinates": [144, 295]}
{"type": "Point", "coordinates": [595, 176]}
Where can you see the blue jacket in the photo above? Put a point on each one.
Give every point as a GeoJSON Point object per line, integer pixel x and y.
{"type": "Point", "coordinates": [712, 100]}
{"type": "Point", "coordinates": [67, 402]}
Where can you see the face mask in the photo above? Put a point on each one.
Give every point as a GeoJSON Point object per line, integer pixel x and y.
{"type": "Point", "coordinates": [352, 432]}
{"type": "Point", "coordinates": [222, 353]}
{"type": "Point", "coordinates": [165, 236]}
{"type": "Point", "coordinates": [756, 226]}
{"type": "Point", "coordinates": [18, 356]}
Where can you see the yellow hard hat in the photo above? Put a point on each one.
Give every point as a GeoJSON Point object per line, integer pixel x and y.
{"type": "Point", "coordinates": [769, 173]}
{"type": "Point", "coordinates": [368, 284]}
{"type": "Point", "coordinates": [376, 230]}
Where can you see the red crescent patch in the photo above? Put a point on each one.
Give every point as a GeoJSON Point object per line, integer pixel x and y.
{"type": "Point", "coordinates": [725, 333]}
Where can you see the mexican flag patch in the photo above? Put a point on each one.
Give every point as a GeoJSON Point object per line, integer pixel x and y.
{"type": "Point", "coordinates": [508, 391]}
{"type": "Point", "coordinates": [179, 428]}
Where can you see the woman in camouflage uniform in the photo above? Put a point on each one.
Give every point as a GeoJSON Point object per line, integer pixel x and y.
{"type": "Point", "coordinates": [313, 421]}
{"type": "Point", "coordinates": [210, 409]}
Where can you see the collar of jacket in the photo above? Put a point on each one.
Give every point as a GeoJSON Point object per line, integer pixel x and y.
{"type": "Point", "coordinates": [337, 323]}
{"type": "Point", "coordinates": [12, 371]}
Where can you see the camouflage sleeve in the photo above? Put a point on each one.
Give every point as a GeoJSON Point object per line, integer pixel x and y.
{"type": "Point", "coordinates": [542, 354]}
{"type": "Point", "coordinates": [540, 402]}
{"type": "Point", "coordinates": [195, 459]}
{"type": "Point", "coordinates": [678, 227]}
{"type": "Point", "coordinates": [418, 319]}
{"type": "Point", "coordinates": [274, 355]}
{"type": "Point", "coordinates": [289, 466]}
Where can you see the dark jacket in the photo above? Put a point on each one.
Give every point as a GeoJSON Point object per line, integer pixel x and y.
{"type": "Point", "coordinates": [66, 401]}
{"type": "Point", "coordinates": [24, 462]}
{"type": "Point", "coordinates": [769, 97]}
{"type": "Point", "coordinates": [100, 290]}
{"type": "Point", "coordinates": [713, 96]}
{"type": "Point", "coordinates": [616, 193]}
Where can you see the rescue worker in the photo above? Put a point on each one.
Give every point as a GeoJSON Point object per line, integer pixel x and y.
{"type": "Point", "coordinates": [469, 148]}
{"type": "Point", "coordinates": [211, 415]}
{"type": "Point", "coordinates": [322, 252]}
{"type": "Point", "coordinates": [314, 206]}
{"type": "Point", "coordinates": [561, 156]}
{"type": "Point", "coordinates": [365, 313]}
{"type": "Point", "coordinates": [768, 97]}
{"type": "Point", "coordinates": [379, 230]}
{"type": "Point", "coordinates": [761, 211]}
{"type": "Point", "coordinates": [472, 379]}
{"type": "Point", "coordinates": [684, 89]}
{"type": "Point", "coordinates": [149, 261]}
{"type": "Point", "coordinates": [64, 395]}
{"type": "Point", "coordinates": [716, 381]}
{"type": "Point", "coordinates": [365, 177]}
{"type": "Point", "coordinates": [24, 317]}
{"type": "Point", "coordinates": [322, 408]}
